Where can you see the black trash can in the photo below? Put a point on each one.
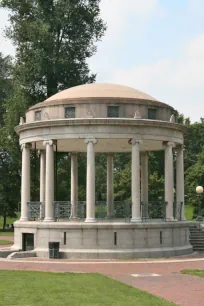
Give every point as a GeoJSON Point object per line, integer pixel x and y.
{"type": "Point", "coordinates": [54, 249]}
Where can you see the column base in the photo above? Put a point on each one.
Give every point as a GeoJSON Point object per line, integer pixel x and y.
{"type": "Point", "coordinates": [171, 219]}
{"type": "Point", "coordinates": [23, 219]}
{"type": "Point", "coordinates": [138, 219]}
{"type": "Point", "coordinates": [89, 220]}
{"type": "Point", "coordinates": [48, 219]}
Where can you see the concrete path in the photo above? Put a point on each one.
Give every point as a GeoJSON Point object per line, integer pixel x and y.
{"type": "Point", "coordinates": [169, 283]}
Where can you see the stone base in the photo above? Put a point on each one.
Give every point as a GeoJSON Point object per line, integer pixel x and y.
{"type": "Point", "coordinates": [107, 240]}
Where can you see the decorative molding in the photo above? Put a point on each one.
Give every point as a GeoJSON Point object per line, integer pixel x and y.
{"type": "Point", "coordinates": [22, 121]}
{"type": "Point", "coordinates": [46, 116]}
{"type": "Point", "coordinates": [172, 119]}
{"type": "Point", "coordinates": [137, 115]}
{"type": "Point", "coordinates": [89, 114]}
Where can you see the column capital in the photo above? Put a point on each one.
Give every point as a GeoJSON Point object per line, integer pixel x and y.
{"type": "Point", "coordinates": [26, 146]}
{"type": "Point", "coordinates": [49, 142]}
{"type": "Point", "coordinates": [168, 144]}
{"type": "Point", "coordinates": [93, 140]}
{"type": "Point", "coordinates": [179, 148]}
{"type": "Point", "coordinates": [134, 141]}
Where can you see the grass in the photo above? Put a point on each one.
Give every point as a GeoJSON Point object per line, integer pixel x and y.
{"type": "Point", "coordinates": [194, 272]}
{"type": "Point", "coordinates": [189, 212]}
{"type": "Point", "coordinates": [8, 221]}
{"type": "Point", "coordinates": [51, 289]}
{"type": "Point", "coordinates": [3, 242]}
{"type": "Point", "coordinates": [6, 233]}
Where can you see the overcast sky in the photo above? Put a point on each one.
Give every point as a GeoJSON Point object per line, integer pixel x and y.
{"type": "Point", "coordinates": [156, 46]}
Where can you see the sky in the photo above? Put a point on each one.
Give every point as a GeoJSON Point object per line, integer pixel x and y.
{"type": "Point", "coordinates": [156, 46]}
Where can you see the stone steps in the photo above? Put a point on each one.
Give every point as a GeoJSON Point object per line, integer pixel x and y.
{"type": "Point", "coordinates": [197, 239]}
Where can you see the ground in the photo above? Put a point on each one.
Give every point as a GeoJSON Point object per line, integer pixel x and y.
{"type": "Point", "coordinates": [161, 277]}
{"type": "Point", "coordinates": [70, 289]}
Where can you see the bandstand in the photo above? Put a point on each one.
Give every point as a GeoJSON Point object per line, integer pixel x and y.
{"type": "Point", "coordinates": [108, 119]}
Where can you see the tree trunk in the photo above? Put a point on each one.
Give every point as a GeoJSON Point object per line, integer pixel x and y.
{"type": "Point", "coordinates": [51, 86]}
{"type": "Point", "coordinates": [4, 222]}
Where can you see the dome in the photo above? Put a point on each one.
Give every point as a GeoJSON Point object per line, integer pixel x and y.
{"type": "Point", "coordinates": [100, 90]}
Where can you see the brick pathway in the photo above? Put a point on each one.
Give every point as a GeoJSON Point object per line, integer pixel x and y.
{"type": "Point", "coordinates": [8, 238]}
{"type": "Point", "coordinates": [181, 289]}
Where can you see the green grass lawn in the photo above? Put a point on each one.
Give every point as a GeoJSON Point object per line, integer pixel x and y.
{"type": "Point", "coordinates": [2, 242]}
{"type": "Point", "coordinates": [189, 212]}
{"type": "Point", "coordinates": [6, 233]}
{"type": "Point", "coordinates": [194, 272]}
{"type": "Point", "coordinates": [51, 289]}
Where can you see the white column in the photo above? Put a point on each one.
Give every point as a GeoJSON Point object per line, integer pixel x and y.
{"type": "Point", "coordinates": [136, 215]}
{"type": "Point", "coordinates": [144, 181]}
{"type": "Point", "coordinates": [42, 180]}
{"type": "Point", "coordinates": [169, 180]}
{"type": "Point", "coordinates": [25, 181]}
{"type": "Point", "coordinates": [180, 179]}
{"type": "Point", "coordinates": [74, 185]}
{"type": "Point", "coordinates": [90, 181]}
{"type": "Point", "coordinates": [49, 181]}
{"type": "Point", "coordinates": [110, 191]}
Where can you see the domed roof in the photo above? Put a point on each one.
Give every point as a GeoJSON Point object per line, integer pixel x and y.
{"type": "Point", "coordinates": [100, 90]}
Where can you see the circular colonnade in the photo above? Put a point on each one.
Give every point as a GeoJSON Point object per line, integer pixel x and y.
{"type": "Point", "coordinates": [109, 119]}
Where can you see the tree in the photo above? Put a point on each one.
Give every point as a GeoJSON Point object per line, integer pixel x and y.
{"type": "Point", "coordinates": [5, 82]}
{"type": "Point", "coordinates": [53, 40]}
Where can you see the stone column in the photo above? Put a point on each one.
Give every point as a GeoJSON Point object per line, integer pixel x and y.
{"type": "Point", "coordinates": [74, 185]}
{"type": "Point", "coordinates": [90, 181]}
{"type": "Point", "coordinates": [110, 191]}
{"type": "Point", "coordinates": [169, 180]}
{"type": "Point", "coordinates": [49, 181]}
{"type": "Point", "coordinates": [136, 215]}
{"type": "Point", "coordinates": [42, 181]}
{"type": "Point", "coordinates": [144, 182]}
{"type": "Point", "coordinates": [180, 179]}
{"type": "Point", "coordinates": [25, 181]}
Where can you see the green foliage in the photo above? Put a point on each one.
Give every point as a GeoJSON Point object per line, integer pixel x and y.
{"type": "Point", "coordinates": [194, 164]}
{"type": "Point", "coordinates": [189, 210]}
{"type": "Point", "coordinates": [53, 40]}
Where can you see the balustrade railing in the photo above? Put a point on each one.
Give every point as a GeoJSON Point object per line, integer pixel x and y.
{"type": "Point", "coordinates": [62, 209]}
{"type": "Point", "coordinates": [36, 210]}
{"type": "Point", "coordinates": [81, 209]}
{"type": "Point", "coordinates": [101, 209]}
{"type": "Point", "coordinates": [122, 210]}
{"type": "Point", "coordinates": [153, 210]}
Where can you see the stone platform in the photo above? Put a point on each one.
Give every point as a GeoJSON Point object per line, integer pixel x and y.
{"type": "Point", "coordinates": [107, 240]}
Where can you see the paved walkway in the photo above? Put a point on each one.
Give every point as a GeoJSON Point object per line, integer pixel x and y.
{"type": "Point", "coordinates": [170, 284]}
